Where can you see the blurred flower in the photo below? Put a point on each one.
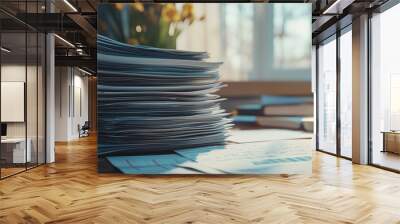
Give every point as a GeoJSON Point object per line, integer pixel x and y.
{"type": "Point", "coordinates": [138, 6]}
{"type": "Point", "coordinates": [152, 24]}
{"type": "Point", "coordinates": [187, 12]}
{"type": "Point", "coordinates": [169, 13]}
{"type": "Point", "coordinates": [119, 6]}
{"type": "Point", "coordinates": [133, 41]}
{"type": "Point", "coordinates": [171, 30]}
{"type": "Point", "coordinates": [138, 28]}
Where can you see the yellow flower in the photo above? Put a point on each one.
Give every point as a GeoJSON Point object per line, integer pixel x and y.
{"type": "Point", "coordinates": [133, 41]}
{"type": "Point", "coordinates": [119, 6]}
{"type": "Point", "coordinates": [187, 12]}
{"type": "Point", "coordinates": [169, 13]}
{"type": "Point", "coordinates": [138, 6]}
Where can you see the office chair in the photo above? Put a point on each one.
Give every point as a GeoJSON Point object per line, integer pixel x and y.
{"type": "Point", "coordinates": [84, 130]}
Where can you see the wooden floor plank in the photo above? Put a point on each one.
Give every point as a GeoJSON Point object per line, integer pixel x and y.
{"type": "Point", "coordinates": [71, 191]}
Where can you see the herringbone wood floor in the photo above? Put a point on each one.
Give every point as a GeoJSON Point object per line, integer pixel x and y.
{"type": "Point", "coordinates": [71, 191]}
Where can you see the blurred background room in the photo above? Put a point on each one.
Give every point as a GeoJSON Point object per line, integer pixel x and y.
{"type": "Point", "coordinates": [265, 50]}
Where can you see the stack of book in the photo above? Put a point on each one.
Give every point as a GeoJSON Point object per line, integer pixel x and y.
{"type": "Point", "coordinates": [288, 112]}
{"type": "Point", "coordinates": [153, 100]}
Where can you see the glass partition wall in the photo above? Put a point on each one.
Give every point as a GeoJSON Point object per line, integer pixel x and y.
{"type": "Point", "coordinates": [22, 99]}
{"type": "Point", "coordinates": [385, 89]}
{"type": "Point", "coordinates": [334, 94]}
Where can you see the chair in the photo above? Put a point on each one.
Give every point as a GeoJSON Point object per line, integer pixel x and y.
{"type": "Point", "coordinates": [84, 130]}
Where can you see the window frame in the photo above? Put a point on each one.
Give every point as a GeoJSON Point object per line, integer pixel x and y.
{"type": "Point", "coordinates": [333, 37]}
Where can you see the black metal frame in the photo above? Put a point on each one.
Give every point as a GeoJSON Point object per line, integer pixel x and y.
{"type": "Point", "coordinates": [338, 98]}
{"type": "Point", "coordinates": [369, 100]}
{"type": "Point", "coordinates": [337, 35]}
{"type": "Point", "coordinates": [316, 97]}
{"type": "Point", "coordinates": [44, 80]}
{"type": "Point", "coordinates": [0, 89]}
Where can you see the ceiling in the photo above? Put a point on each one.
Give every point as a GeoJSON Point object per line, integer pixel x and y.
{"type": "Point", "coordinates": [75, 21]}
{"type": "Point", "coordinates": [332, 15]}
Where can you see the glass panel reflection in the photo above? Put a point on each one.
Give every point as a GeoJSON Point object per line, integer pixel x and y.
{"type": "Point", "coordinates": [346, 95]}
{"type": "Point", "coordinates": [385, 89]}
{"type": "Point", "coordinates": [15, 151]}
{"type": "Point", "coordinates": [327, 97]}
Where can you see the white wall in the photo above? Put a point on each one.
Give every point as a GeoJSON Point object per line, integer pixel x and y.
{"type": "Point", "coordinates": [80, 109]}
{"type": "Point", "coordinates": [16, 73]}
{"type": "Point", "coordinates": [62, 82]}
{"type": "Point", "coordinates": [71, 94]}
{"type": "Point", "coordinates": [33, 126]}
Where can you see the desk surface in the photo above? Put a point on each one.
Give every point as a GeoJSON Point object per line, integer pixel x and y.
{"type": "Point", "coordinates": [390, 132]}
{"type": "Point", "coordinates": [262, 151]}
{"type": "Point", "coordinates": [13, 140]}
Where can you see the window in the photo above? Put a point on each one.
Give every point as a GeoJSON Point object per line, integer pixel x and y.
{"type": "Point", "coordinates": [327, 96]}
{"type": "Point", "coordinates": [291, 42]}
{"type": "Point", "coordinates": [385, 89]}
{"type": "Point", "coordinates": [346, 94]}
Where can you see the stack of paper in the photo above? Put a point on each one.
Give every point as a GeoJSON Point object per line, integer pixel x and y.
{"type": "Point", "coordinates": [156, 100]}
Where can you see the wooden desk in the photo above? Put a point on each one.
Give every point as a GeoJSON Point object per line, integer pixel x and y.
{"type": "Point", "coordinates": [391, 141]}
{"type": "Point", "coordinates": [16, 147]}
